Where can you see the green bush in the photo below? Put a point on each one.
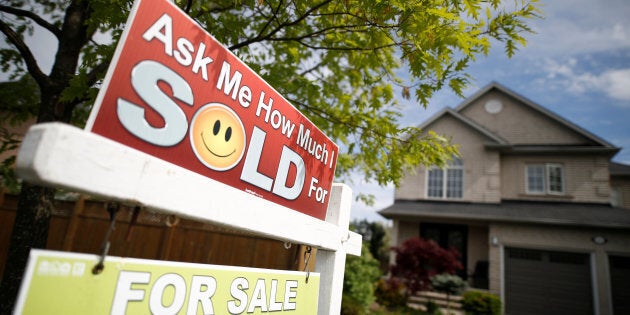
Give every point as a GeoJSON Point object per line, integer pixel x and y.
{"type": "Point", "coordinates": [350, 306]}
{"type": "Point", "coordinates": [391, 293]}
{"type": "Point", "coordinates": [481, 303]}
{"type": "Point", "coordinates": [359, 281]}
{"type": "Point", "coordinates": [448, 283]}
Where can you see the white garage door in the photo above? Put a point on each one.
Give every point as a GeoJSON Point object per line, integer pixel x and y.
{"type": "Point", "coordinates": [547, 282]}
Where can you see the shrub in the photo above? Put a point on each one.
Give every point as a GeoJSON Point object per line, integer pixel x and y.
{"type": "Point", "coordinates": [391, 293]}
{"type": "Point", "coordinates": [481, 303]}
{"type": "Point", "coordinates": [350, 306]}
{"type": "Point", "coordinates": [448, 283]}
{"type": "Point", "coordinates": [359, 280]}
{"type": "Point", "coordinates": [417, 260]}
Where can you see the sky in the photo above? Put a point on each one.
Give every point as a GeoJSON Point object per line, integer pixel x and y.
{"type": "Point", "coordinates": [577, 65]}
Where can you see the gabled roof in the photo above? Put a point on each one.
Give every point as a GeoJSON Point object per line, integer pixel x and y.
{"type": "Point", "coordinates": [466, 121]}
{"type": "Point", "coordinates": [494, 85]}
{"type": "Point", "coordinates": [532, 212]}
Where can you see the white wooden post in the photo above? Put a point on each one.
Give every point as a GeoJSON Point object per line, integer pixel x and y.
{"type": "Point", "coordinates": [331, 264]}
{"type": "Point", "coordinates": [64, 156]}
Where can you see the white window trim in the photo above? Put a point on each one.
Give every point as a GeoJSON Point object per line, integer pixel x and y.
{"type": "Point", "coordinates": [546, 183]}
{"type": "Point", "coordinates": [444, 181]}
{"type": "Point", "coordinates": [529, 192]}
{"type": "Point", "coordinates": [548, 166]}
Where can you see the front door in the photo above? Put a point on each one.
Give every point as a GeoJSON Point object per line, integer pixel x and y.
{"type": "Point", "coordinates": [449, 236]}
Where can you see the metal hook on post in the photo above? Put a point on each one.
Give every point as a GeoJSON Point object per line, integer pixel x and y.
{"type": "Point", "coordinates": [307, 257]}
{"type": "Point", "coordinates": [112, 208]}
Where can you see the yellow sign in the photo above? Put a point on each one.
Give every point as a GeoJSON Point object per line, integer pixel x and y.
{"type": "Point", "coordinates": [63, 283]}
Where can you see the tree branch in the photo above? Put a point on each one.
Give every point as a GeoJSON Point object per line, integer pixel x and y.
{"type": "Point", "coordinates": [260, 37]}
{"type": "Point", "coordinates": [36, 18]}
{"type": "Point", "coordinates": [25, 52]}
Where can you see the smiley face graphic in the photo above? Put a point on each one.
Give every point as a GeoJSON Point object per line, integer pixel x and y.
{"type": "Point", "coordinates": [217, 136]}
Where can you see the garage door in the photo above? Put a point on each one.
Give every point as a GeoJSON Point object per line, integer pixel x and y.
{"type": "Point", "coordinates": [620, 283]}
{"type": "Point", "coordinates": [547, 282]}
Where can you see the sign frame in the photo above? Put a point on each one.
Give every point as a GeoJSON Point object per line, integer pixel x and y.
{"type": "Point", "coordinates": [63, 156]}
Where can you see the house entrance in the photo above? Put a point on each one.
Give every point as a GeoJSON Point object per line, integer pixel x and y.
{"type": "Point", "coordinates": [449, 236]}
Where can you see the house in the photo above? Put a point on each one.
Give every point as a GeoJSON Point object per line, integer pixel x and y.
{"type": "Point", "coordinates": [537, 209]}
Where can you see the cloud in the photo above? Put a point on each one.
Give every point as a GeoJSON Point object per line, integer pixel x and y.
{"type": "Point", "coordinates": [614, 83]}
{"type": "Point", "coordinates": [575, 27]}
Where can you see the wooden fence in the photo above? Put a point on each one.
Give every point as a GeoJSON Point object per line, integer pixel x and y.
{"type": "Point", "coordinates": [81, 225]}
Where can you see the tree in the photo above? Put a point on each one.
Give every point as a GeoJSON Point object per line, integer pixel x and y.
{"type": "Point", "coordinates": [418, 260]}
{"type": "Point", "coordinates": [336, 61]}
{"type": "Point", "coordinates": [375, 237]}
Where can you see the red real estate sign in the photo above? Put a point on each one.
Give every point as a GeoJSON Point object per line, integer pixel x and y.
{"type": "Point", "coordinates": [174, 92]}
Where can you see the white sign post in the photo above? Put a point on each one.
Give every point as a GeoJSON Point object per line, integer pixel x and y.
{"type": "Point", "coordinates": [222, 146]}
{"type": "Point", "coordinates": [63, 156]}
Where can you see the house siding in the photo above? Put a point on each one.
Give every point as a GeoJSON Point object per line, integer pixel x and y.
{"type": "Point", "coordinates": [585, 178]}
{"type": "Point", "coordinates": [482, 181]}
{"type": "Point", "coordinates": [520, 124]}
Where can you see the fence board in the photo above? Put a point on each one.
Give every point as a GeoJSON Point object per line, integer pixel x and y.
{"type": "Point", "coordinates": [150, 238]}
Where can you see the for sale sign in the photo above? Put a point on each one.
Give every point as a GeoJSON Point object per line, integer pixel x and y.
{"type": "Point", "coordinates": [62, 283]}
{"type": "Point", "coordinates": [174, 92]}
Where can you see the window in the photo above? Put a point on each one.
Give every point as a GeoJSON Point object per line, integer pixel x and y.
{"type": "Point", "coordinates": [545, 179]}
{"type": "Point", "coordinates": [447, 182]}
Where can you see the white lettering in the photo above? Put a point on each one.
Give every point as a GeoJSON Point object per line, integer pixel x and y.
{"type": "Point", "coordinates": [276, 119]}
{"type": "Point", "coordinates": [304, 137]}
{"type": "Point", "coordinates": [250, 172]}
{"type": "Point", "coordinates": [315, 149]}
{"type": "Point", "coordinates": [144, 79]}
{"type": "Point", "coordinates": [273, 305]}
{"type": "Point", "coordinates": [124, 293]}
{"type": "Point", "coordinates": [287, 127]}
{"type": "Point", "coordinates": [185, 48]}
{"type": "Point", "coordinates": [201, 62]}
{"type": "Point", "coordinates": [204, 297]}
{"type": "Point", "coordinates": [237, 291]}
{"type": "Point", "coordinates": [290, 294]}
{"type": "Point", "coordinates": [233, 85]}
{"type": "Point", "coordinates": [320, 193]}
{"type": "Point", "coordinates": [259, 297]}
{"type": "Point", "coordinates": [165, 22]}
{"type": "Point", "coordinates": [262, 105]}
{"type": "Point", "coordinates": [280, 188]}
{"type": "Point", "coordinates": [184, 51]}
{"type": "Point", "coordinates": [179, 296]}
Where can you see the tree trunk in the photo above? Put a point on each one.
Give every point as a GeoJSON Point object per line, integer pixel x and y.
{"type": "Point", "coordinates": [30, 230]}
{"type": "Point", "coordinates": [35, 203]}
